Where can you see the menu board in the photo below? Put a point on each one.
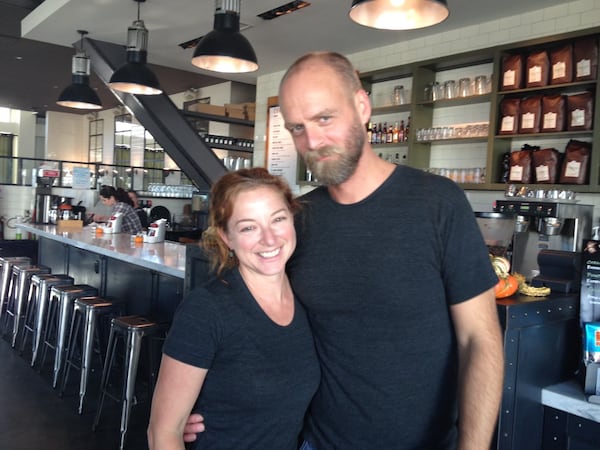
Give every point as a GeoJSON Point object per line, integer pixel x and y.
{"type": "Point", "coordinates": [281, 155]}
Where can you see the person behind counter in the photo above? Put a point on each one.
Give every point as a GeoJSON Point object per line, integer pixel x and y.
{"type": "Point", "coordinates": [240, 347]}
{"type": "Point", "coordinates": [139, 210]}
{"type": "Point", "coordinates": [121, 203]}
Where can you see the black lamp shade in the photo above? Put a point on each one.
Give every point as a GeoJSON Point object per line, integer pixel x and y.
{"type": "Point", "coordinates": [225, 52]}
{"type": "Point", "coordinates": [395, 15]}
{"type": "Point", "coordinates": [225, 49]}
{"type": "Point", "coordinates": [79, 94]}
{"type": "Point", "coordinates": [135, 77]}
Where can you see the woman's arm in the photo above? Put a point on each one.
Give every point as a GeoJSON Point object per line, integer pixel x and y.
{"type": "Point", "coordinates": [176, 391]}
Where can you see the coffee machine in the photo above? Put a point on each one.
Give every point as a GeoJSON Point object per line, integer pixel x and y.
{"type": "Point", "coordinates": [544, 225]}
{"type": "Point", "coordinates": [45, 179]}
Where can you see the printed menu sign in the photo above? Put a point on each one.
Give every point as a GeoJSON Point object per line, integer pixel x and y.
{"type": "Point", "coordinates": [590, 282]}
{"type": "Point", "coordinates": [281, 152]}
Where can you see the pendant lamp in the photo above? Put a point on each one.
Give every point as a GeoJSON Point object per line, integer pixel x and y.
{"type": "Point", "coordinates": [398, 14]}
{"type": "Point", "coordinates": [134, 77]}
{"type": "Point", "coordinates": [225, 49]}
{"type": "Point", "coordinates": [79, 94]}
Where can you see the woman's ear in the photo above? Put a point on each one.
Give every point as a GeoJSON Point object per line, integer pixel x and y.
{"type": "Point", "coordinates": [223, 235]}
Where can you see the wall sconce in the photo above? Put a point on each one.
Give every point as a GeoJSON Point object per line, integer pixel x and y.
{"type": "Point", "coordinates": [134, 77]}
{"type": "Point", "coordinates": [79, 94]}
{"type": "Point", "coordinates": [398, 14]}
{"type": "Point", "coordinates": [225, 49]}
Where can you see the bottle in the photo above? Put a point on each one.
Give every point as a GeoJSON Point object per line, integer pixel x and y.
{"type": "Point", "coordinates": [390, 135]}
{"type": "Point", "coordinates": [378, 138]}
{"type": "Point", "coordinates": [395, 133]}
{"type": "Point", "coordinates": [401, 132]}
{"type": "Point", "coordinates": [383, 139]}
{"type": "Point", "coordinates": [407, 129]}
{"type": "Point", "coordinates": [369, 132]}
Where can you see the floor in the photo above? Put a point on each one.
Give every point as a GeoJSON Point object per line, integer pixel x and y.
{"type": "Point", "coordinates": [33, 416]}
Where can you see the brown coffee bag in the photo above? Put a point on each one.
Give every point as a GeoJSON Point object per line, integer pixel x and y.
{"type": "Point", "coordinates": [561, 65]}
{"type": "Point", "coordinates": [585, 59]}
{"type": "Point", "coordinates": [512, 72]}
{"type": "Point", "coordinates": [580, 111]}
{"type": "Point", "coordinates": [509, 116]}
{"type": "Point", "coordinates": [530, 113]}
{"type": "Point", "coordinates": [520, 167]}
{"type": "Point", "coordinates": [553, 113]}
{"type": "Point", "coordinates": [546, 165]}
{"type": "Point", "coordinates": [538, 69]}
{"type": "Point", "coordinates": [575, 163]}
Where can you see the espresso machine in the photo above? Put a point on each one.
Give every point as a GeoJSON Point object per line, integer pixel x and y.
{"type": "Point", "coordinates": [45, 179]}
{"type": "Point", "coordinates": [544, 225]}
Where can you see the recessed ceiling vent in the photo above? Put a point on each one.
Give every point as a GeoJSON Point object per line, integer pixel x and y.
{"type": "Point", "coordinates": [283, 10]}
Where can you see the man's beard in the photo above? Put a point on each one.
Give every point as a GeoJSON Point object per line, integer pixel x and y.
{"type": "Point", "coordinates": [339, 169]}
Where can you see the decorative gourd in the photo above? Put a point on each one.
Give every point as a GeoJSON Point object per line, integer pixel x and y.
{"type": "Point", "coordinates": [507, 284]}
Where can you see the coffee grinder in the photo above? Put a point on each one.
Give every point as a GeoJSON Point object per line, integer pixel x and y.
{"type": "Point", "coordinates": [45, 179]}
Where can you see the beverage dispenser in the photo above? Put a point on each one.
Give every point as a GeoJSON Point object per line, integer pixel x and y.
{"type": "Point", "coordinates": [43, 195]}
{"type": "Point", "coordinates": [545, 225]}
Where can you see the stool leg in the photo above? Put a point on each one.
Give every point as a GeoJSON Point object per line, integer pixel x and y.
{"type": "Point", "coordinates": [29, 315]}
{"type": "Point", "coordinates": [64, 313]}
{"type": "Point", "coordinates": [71, 344]}
{"type": "Point", "coordinates": [48, 324]}
{"type": "Point", "coordinates": [132, 354]}
{"type": "Point", "coordinates": [38, 326]}
{"type": "Point", "coordinates": [18, 311]}
{"type": "Point", "coordinates": [86, 357]}
{"type": "Point", "coordinates": [112, 342]}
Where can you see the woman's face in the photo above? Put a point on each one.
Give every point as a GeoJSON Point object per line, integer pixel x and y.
{"type": "Point", "coordinates": [110, 201]}
{"type": "Point", "coordinates": [261, 232]}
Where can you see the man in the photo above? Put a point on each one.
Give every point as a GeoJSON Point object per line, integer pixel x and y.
{"type": "Point", "coordinates": [138, 209]}
{"type": "Point", "coordinates": [394, 274]}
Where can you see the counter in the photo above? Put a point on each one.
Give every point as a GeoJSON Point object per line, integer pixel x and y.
{"type": "Point", "coordinates": [149, 278]}
{"type": "Point", "coordinates": [166, 257]}
{"type": "Point", "coordinates": [568, 396]}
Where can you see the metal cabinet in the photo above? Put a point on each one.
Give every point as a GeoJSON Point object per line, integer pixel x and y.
{"type": "Point", "coordinates": [541, 342]}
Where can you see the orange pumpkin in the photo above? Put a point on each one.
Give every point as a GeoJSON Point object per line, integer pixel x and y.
{"type": "Point", "coordinates": [506, 286]}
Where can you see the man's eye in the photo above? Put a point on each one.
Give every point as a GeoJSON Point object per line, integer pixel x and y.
{"type": "Point", "coordinates": [296, 130]}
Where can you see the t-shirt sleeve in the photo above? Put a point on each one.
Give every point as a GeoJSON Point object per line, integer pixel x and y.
{"type": "Point", "coordinates": [194, 334]}
{"type": "Point", "coordinates": [467, 270]}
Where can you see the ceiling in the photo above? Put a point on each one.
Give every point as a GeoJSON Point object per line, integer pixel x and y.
{"type": "Point", "coordinates": [36, 58]}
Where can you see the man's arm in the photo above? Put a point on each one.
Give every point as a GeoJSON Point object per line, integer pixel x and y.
{"type": "Point", "coordinates": [481, 368]}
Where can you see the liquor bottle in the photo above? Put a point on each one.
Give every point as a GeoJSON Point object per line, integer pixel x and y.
{"type": "Point", "coordinates": [401, 132]}
{"type": "Point", "coordinates": [378, 134]}
{"type": "Point", "coordinates": [407, 129]}
{"type": "Point", "coordinates": [395, 133]}
{"type": "Point", "coordinates": [390, 134]}
{"type": "Point", "coordinates": [370, 132]}
{"type": "Point", "coordinates": [383, 139]}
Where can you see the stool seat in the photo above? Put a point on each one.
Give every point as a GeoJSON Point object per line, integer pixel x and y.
{"type": "Point", "coordinates": [88, 310]}
{"type": "Point", "coordinates": [60, 308]}
{"type": "Point", "coordinates": [37, 308]}
{"type": "Point", "coordinates": [18, 298]}
{"type": "Point", "coordinates": [131, 330]}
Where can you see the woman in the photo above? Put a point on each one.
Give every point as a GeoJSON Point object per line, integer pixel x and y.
{"type": "Point", "coordinates": [240, 348]}
{"type": "Point", "coordinates": [133, 195]}
{"type": "Point", "coordinates": [121, 203]}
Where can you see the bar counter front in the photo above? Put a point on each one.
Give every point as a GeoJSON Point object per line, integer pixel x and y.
{"type": "Point", "coordinates": [149, 278]}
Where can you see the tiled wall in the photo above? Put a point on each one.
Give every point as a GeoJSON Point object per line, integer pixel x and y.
{"type": "Point", "coordinates": [568, 17]}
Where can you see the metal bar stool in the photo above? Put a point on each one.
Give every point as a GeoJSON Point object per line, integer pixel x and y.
{"type": "Point", "coordinates": [6, 264]}
{"type": "Point", "coordinates": [37, 307]}
{"type": "Point", "coordinates": [87, 310]}
{"type": "Point", "coordinates": [131, 330]}
{"type": "Point", "coordinates": [18, 298]}
{"type": "Point", "coordinates": [60, 308]}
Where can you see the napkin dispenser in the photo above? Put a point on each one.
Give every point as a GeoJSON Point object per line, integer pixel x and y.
{"type": "Point", "coordinates": [113, 225]}
{"type": "Point", "coordinates": [156, 232]}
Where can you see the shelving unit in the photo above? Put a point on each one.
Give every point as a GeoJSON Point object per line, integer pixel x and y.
{"type": "Point", "coordinates": [476, 108]}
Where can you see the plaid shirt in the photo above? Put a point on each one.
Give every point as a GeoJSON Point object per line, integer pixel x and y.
{"type": "Point", "coordinates": [131, 222]}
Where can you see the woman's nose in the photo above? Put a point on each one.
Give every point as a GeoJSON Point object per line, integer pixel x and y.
{"type": "Point", "coordinates": [268, 236]}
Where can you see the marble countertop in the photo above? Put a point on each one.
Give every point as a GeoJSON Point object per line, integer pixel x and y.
{"type": "Point", "coordinates": [165, 257]}
{"type": "Point", "coordinates": [568, 396]}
